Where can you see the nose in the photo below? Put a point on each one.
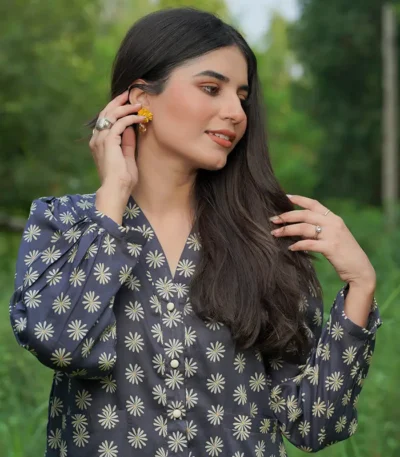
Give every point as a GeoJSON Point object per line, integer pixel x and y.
{"type": "Point", "coordinates": [232, 109]}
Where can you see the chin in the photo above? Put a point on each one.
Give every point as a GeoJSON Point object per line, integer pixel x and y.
{"type": "Point", "coordinates": [213, 161]}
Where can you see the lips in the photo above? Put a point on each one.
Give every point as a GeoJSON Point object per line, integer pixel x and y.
{"type": "Point", "coordinates": [228, 133]}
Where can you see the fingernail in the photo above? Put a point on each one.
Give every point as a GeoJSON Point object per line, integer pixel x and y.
{"type": "Point", "coordinates": [289, 196]}
{"type": "Point", "coordinates": [273, 218]}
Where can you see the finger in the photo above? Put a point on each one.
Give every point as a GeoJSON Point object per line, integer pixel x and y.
{"type": "Point", "coordinates": [308, 203]}
{"type": "Point", "coordinates": [119, 127]}
{"type": "Point", "coordinates": [303, 229]}
{"type": "Point", "coordinates": [121, 111]}
{"type": "Point", "coordinates": [304, 215]}
{"type": "Point", "coordinates": [119, 100]}
{"type": "Point", "coordinates": [128, 144]}
{"type": "Point", "coordinates": [309, 245]}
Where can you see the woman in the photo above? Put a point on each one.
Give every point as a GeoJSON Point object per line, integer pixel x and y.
{"type": "Point", "coordinates": [180, 319]}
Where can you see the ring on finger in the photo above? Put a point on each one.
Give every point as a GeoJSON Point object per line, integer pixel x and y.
{"type": "Point", "coordinates": [318, 230]}
{"type": "Point", "coordinates": [103, 124]}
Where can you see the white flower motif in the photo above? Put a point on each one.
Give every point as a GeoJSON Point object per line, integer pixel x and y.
{"type": "Point", "coordinates": [174, 379]}
{"type": "Point", "coordinates": [340, 424]}
{"type": "Point", "coordinates": [240, 362]}
{"type": "Point", "coordinates": [160, 395]}
{"type": "Point", "coordinates": [32, 298]}
{"type": "Point", "coordinates": [194, 242]}
{"type": "Point", "coordinates": [177, 441]}
{"type": "Point", "coordinates": [137, 438]}
{"type": "Point", "coordinates": [134, 311]}
{"type": "Point", "coordinates": [134, 374]}
{"type": "Point", "coordinates": [191, 398]}
{"type": "Point", "coordinates": [134, 342]}
{"type": "Point", "coordinates": [215, 415]}
{"type": "Point", "coordinates": [20, 324]}
{"type": "Point", "coordinates": [349, 355]}
{"type": "Point", "coordinates": [172, 318]}
{"type": "Point", "coordinates": [166, 288]}
{"type": "Point", "coordinates": [32, 233]}
{"type": "Point", "coordinates": [109, 417]}
{"type": "Point", "coordinates": [135, 406]}
{"type": "Point", "coordinates": [334, 382]}
{"type": "Point", "coordinates": [56, 406]}
{"type": "Point", "coordinates": [54, 277]}
{"type": "Point", "coordinates": [190, 336]}
{"type": "Point", "coordinates": [106, 361]}
{"type": "Point", "coordinates": [102, 273]}
{"type": "Point", "coordinates": [108, 449]}
{"type": "Point", "coordinates": [91, 301]}
{"type": "Point", "coordinates": [240, 395]}
{"type": "Point", "coordinates": [54, 438]}
{"type": "Point", "coordinates": [160, 425]}
{"type": "Point", "coordinates": [81, 437]}
{"type": "Point", "coordinates": [72, 235]}
{"type": "Point", "coordinates": [109, 384]}
{"type": "Point", "coordinates": [87, 347]}
{"type": "Point", "coordinates": [83, 399]}
{"type": "Point", "coordinates": [241, 427]}
{"type": "Point", "coordinates": [133, 283]}
{"type": "Point", "coordinates": [216, 351]}
{"type": "Point", "coordinates": [191, 430]}
{"type": "Point", "coordinates": [79, 421]}
{"type": "Point", "coordinates": [216, 383]}
{"type": "Point", "coordinates": [173, 348]}
{"type": "Point", "coordinates": [77, 330]}
{"type": "Point", "coordinates": [61, 358]}
{"type": "Point", "coordinates": [78, 277]}
{"type": "Point", "coordinates": [190, 367]}
{"type": "Point", "coordinates": [50, 255]}
{"type": "Point", "coordinates": [214, 446]}
{"type": "Point", "coordinates": [257, 382]}
{"type": "Point", "coordinates": [109, 245]}
{"type": "Point", "coordinates": [44, 331]}
{"type": "Point", "coordinates": [155, 259]}
{"type": "Point", "coordinates": [186, 268]}
{"type": "Point", "coordinates": [67, 218]}
{"type": "Point", "coordinates": [31, 257]}
{"type": "Point", "coordinates": [30, 277]}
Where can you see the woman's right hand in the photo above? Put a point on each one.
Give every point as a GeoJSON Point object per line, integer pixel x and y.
{"type": "Point", "coordinates": [113, 149]}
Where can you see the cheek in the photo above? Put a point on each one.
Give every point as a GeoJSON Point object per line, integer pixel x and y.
{"type": "Point", "coordinates": [184, 106]}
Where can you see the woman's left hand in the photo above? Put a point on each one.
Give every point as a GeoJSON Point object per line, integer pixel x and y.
{"type": "Point", "coordinates": [335, 240]}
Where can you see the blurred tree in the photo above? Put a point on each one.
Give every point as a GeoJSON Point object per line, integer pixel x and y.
{"type": "Point", "coordinates": [293, 136]}
{"type": "Point", "coordinates": [339, 44]}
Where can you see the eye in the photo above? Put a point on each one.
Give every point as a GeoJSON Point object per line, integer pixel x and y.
{"type": "Point", "coordinates": [212, 90]}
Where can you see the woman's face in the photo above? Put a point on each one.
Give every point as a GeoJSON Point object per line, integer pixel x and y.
{"type": "Point", "coordinates": [200, 97]}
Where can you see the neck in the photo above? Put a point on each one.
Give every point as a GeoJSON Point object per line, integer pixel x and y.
{"type": "Point", "coordinates": [165, 183]}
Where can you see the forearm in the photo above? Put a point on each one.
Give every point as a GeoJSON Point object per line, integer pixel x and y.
{"type": "Point", "coordinates": [358, 303]}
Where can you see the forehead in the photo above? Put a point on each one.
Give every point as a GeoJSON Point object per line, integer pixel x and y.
{"type": "Point", "coordinates": [228, 61]}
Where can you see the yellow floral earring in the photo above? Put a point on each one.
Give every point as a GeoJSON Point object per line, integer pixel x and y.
{"type": "Point", "coordinates": [148, 117]}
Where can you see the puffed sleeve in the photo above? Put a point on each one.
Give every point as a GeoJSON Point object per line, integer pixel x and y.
{"type": "Point", "coordinates": [72, 260]}
{"type": "Point", "coordinates": [315, 403]}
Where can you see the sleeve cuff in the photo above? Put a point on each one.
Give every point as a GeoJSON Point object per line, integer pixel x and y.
{"type": "Point", "coordinates": [374, 320]}
{"type": "Point", "coordinates": [122, 232]}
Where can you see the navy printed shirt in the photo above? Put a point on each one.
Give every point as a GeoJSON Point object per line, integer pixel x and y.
{"type": "Point", "coordinates": [136, 372]}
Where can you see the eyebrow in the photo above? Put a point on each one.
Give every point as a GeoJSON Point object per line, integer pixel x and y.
{"type": "Point", "coordinates": [220, 77]}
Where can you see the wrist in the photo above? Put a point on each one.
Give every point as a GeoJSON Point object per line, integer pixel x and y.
{"type": "Point", "coordinates": [112, 201]}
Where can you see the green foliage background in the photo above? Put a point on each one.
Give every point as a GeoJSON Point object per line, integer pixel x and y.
{"type": "Point", "coordinates": [324, 135]}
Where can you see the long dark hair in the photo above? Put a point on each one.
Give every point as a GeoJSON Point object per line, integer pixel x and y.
{"type": "Point", "coordinates": [246, 278]}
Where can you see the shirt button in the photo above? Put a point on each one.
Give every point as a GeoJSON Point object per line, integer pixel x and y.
{"type": "Point", "coordinates": [170, 306]}
{"type": "Point", "coordinates": [177, 413]}
{"type": "Point", "coordinates": [174, 363]}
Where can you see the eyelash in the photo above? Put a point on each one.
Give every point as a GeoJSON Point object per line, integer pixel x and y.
{"type": "Point", "coordinates": [244, 102]}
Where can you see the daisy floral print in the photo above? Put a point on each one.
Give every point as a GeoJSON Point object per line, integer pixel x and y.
{"type": "Point", "coordinates": [137, 372]}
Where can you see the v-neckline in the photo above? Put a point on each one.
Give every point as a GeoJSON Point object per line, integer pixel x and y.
{"type": "Point", "coordinates": [146, 220]}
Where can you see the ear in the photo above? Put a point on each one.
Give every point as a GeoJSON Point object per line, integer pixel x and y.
{"type": "Point", "coordinates": [138, 95]}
